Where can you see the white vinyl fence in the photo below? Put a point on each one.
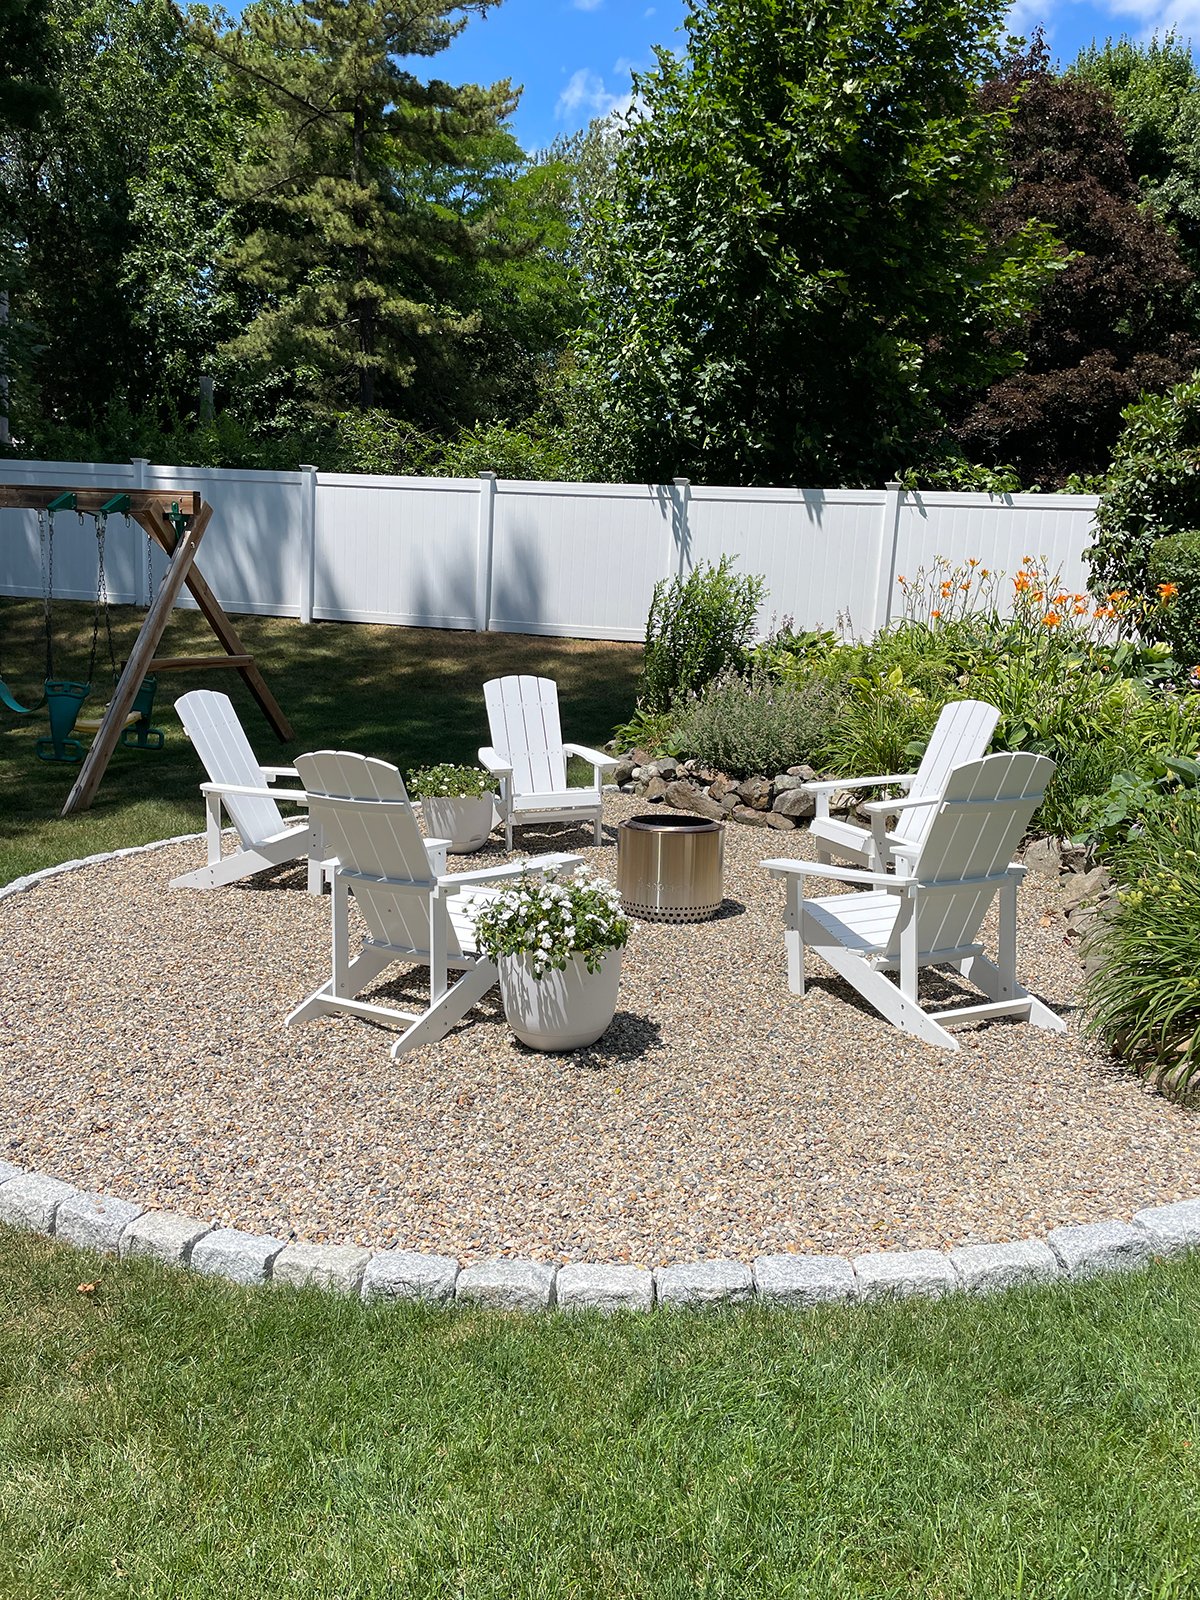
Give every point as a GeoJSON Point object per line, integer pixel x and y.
{"type": "Point", "coordinates": [569, 559]}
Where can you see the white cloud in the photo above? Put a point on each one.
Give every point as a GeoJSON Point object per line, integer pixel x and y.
{"type": "Point", "coordinates": [587, 5]}
{"type": "Point", "coordinates": [649, 12]}
{"type": "Point", "coordinates": [586, 93]}
{"type": "Point", "coordinates": [1142, 18]}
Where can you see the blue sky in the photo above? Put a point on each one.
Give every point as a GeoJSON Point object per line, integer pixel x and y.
{"type": "Point", "coordinates": [574, 57]}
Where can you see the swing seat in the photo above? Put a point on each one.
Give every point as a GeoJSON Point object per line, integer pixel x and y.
{"type": "Point", "coordinates": [140, 735]}
{"type": "Point", "coordinates": [94, 720]}
{"type": "Point", "coordinates": [63, 701]}
{"type": "Point", "coordinates": [10, 700]}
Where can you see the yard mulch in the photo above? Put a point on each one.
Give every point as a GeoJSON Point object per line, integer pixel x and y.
{"type": "Point", "coordinates": [143, 1052]}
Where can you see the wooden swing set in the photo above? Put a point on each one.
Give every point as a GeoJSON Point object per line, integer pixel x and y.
{"type": "Point", "coordinates": [175, 520]}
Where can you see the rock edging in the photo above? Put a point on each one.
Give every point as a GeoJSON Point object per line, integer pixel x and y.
{"type": "Point", "coordinates": [38, 1203]}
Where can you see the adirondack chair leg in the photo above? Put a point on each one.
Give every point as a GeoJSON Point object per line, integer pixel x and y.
{"type": "Point", "coordinates": [908, 950]}
{"type": "Point", "coordinates": [439, 945]}
{"type": "Point", "coordinates": [453, 1006]}
{"type": "Point", "coordinates": [599, 830]}
{"type": "Point", "coordinates": [317, 873]}
{"type": "Point", "coordinates": [212, 827]}
{"type": "Point", "coordinates": [233, 868]}
{"type": "Point", "coordinates": [887, 999]}
{"type": "Point", "coordinates": [793, 936]}
{"type": "Point", "coordinates": [985, 975]}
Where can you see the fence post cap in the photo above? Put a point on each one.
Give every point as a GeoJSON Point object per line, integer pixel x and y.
{"type": "Point", "coordinates": [307, 466]}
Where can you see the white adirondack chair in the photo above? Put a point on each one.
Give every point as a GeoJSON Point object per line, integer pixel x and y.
{"type": "Point", "coordinates": [528, 756]}
{"type": "Point", "coordinates": [413, 910]}
{"type": "Point", "coordinates": [930, 911]}
{"type": "Point", "coordinates": [962, 733]}
{"type": "Point", "coordinates": [243, 788]}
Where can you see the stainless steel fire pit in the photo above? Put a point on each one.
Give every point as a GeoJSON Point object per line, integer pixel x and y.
{"type": "Point", "coordinates": [671, 868]}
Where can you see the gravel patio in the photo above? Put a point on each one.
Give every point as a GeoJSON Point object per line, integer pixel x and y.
{"type": "Point", "coordinates": [143, 1052]}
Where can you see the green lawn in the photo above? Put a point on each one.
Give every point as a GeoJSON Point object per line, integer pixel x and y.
{"type": "Point", "coordinates": [411, 695]}
{"type": "Point", "coordinates": [171, 1436]}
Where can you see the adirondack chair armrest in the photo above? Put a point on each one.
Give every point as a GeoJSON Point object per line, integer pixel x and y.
{"type": "Point", "coordinates": [597, 757]}
{"type": "Point", "coordinates": [783, 868]}
{"type": "Point", "coordinates": [820, 786]}
{"type": "Point", "coordinates": [511, 869]}
{"type": "Point", "coordinates": [258, 792]}
{"type": "Point", "coordinates": [495, 763]}
{"type": "Point", "coordinates": [882, 808]}
{"type": "Point", "coordinates": [271, 773]}
{"type": "Point", "coordinates": [436, 850]}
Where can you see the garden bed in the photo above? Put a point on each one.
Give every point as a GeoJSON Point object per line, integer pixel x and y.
{"type": "Point", "coordinates": [144, 1053]}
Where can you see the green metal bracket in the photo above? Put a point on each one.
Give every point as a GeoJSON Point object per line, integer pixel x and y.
{"type": "Point", "coordinates": [177, 518]}
{"type": "Point", "coordinates": [118, 506]}
{"type": "Point", "coordinates": [62, 502]}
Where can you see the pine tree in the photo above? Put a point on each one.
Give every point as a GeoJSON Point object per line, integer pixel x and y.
{"type": "Point", "coordinates": [352, 256]}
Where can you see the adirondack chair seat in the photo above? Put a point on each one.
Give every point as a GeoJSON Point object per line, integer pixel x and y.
{"type": "Point", "coordinates": [413, 910]}
{"type": "Point", "coordinates": [962, 733]}
{"type": "Point", "coordinates": [930, 911]}
{"type": "Point", "coordinates": [239, 785]}
{"type": "Point", "coordinates": [528, 757]}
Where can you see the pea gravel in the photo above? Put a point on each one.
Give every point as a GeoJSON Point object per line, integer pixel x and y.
{"type": "Point", "coordinates": [143, 1053]}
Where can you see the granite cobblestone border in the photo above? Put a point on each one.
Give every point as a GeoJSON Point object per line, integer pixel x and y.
{"type": "Point", "coordinates": [39, 1203]}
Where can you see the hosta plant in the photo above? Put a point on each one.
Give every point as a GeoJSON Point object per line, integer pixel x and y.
{"type": "Point", "coordinates": [550, 919]}
{"type": "Point", "coordinates": [448, 782]}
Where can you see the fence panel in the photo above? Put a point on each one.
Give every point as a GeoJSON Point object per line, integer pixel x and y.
{"type": "Point", "coordinates": [252, 550]}
{"type": "Point", "coordinates": [818, 549]}
{"type": "Point", "coordinates": [998, 533]}
{"type": "Point", "coordinates": [579, 559]}
{"type": "Point", "coordinates": [399, 550]}
{"type": "Point", "coordinates": [75, 553]}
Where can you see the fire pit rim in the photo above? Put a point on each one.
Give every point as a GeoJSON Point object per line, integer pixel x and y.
{"type": "Point", "coordinates": [672, 824]}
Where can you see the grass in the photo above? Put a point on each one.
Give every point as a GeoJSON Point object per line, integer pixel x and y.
{"type": "Point", "coordinates": [411, 695]}
{"type": "Point", "coordinates": [171, 1436]}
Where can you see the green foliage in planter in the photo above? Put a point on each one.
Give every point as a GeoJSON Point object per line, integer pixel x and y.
{"type": "Point", "coordinates": [448, 782]}
{"type": "Point", "coordinates": [699, 626]}
{"type": "Point", "coordinates": [548, 920]}
{"type": "Point", "coordinates": [1143, 994]}
{"type": "Point", "coordinates": [1152, 490]}
{"type": "Point", "coordinates": [1174, 568]}
{"type": "Point", "coordinates": [750, 725]}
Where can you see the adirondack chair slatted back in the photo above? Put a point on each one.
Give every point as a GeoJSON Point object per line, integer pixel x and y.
{"type": "Point", "coordinates": [975, 830]}
{"type": "Point", "coordinates": [525, 730]}
{"type": "Point", "coordinates": [212, 725]}
{"type": "Point", "coordinates": [366, 820]}
{"type": "Point", "coordinates": [962, 733]}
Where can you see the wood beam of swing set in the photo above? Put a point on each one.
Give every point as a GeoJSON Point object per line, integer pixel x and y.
{"type": "Point", "coordinates": [156, 511]}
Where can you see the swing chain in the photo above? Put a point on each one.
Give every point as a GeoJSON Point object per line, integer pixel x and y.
{"type": "Point", "coordinates": [101, 603]}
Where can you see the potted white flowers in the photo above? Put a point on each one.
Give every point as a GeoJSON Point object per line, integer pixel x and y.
{"type": "Point", "coordinates": [458, 804]}
{"type": "Point", "coordinates": [558, 946]}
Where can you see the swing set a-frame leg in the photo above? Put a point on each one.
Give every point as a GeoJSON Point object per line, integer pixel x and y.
{"type": "Point", "coordinates": [96, 761]}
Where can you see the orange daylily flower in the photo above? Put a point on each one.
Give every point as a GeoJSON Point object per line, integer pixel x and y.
{"type": "Point", "coordinates": [1080, 611]}
{"type": "Point", "coordinates": [935, 615]}
{"type": "Point", "coordinates": [1166, 590]}
{"type": "Point", "coordinates": [1051, 619]}
{"type": "Point", "coordinates": [1020, 583]}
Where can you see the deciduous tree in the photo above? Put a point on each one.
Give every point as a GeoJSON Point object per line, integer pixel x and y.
{"type": "Point", "coordinates": [792, 278]}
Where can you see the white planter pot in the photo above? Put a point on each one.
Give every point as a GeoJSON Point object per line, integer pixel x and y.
{"type": "Point", "coordinates": [466, 820]}
{"type": "Point", "coordinates": [561, 1010]}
